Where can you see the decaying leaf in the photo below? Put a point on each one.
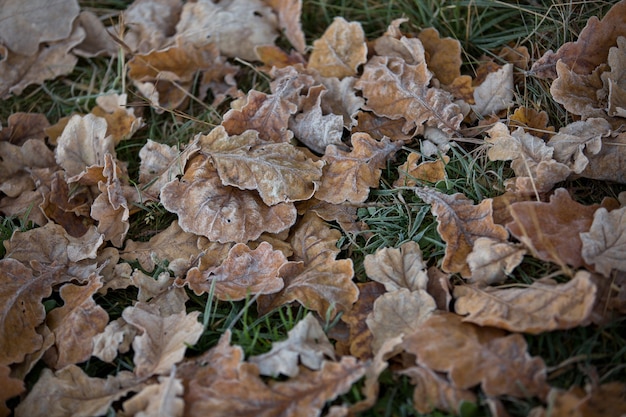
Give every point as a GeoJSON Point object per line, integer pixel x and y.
{"type": "Point", "coordinates": [615, 79]}
{"type": "Point", "coordinates": [572, 140]}
{"type": "Point", "coordinates": [398, 268]}
{"type": "Point", "coordinates": [460, 223]}
{"type": "Point", "coordinates": [604, 246]}
{"type": "Point", "coordinates": [121, 120]}
{"type": "Point", "coordinates": [491, 261]}
{"type": "Point", "coordinates": [18, 163]}
{"type": "Point", "coordinates": [161, 399]}
{"type": "Point", "coordinates": [495, 93]}
{"type": "Point", "coordinates": [443, 55]}
{"type": "Point", "coordinates": [428, 171]}
{"type": "Point", "coordinates": [539, 308]}
{"type": "Point", "coordinates": [116, 337]}
{"type": "Point", "coordinates": [603, 165]}
{"type": "Point", "coordinates": [11, 387]}
{"type": "Point", "coordinates": [288, 12]}
{"type": "Point", "coordinates": [340, 51]}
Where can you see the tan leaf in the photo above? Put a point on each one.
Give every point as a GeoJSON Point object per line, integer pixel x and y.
{"type": "Point", "coordinates": [495, 93]}
{"type": "Point", "coordinates": [116, 337]}
{"type": "Point", "coordinates": [427, 171]}
{"type": "Point", "coordinates": [460, 223]}
{"type": "Point", "coordinates": [150, 287]}
{"type": "Point", "coordinates": [603, 165]}
{"type": "Point", "coordinates": [533, 121]}
{"type": "Point", "coordinates": [11, 387]}
{"type": "Point", "coordinates": [163, 339]}
{"type": "Point", "coordinates": [18, 163]}
{"type": "Point", "coordinates": [340, 98]}
{"type": "Point", "coordinates": [244, 272]}
{"type": "Point", "coordinates": [398, 268]}
{"type": "Point", "coordinates": [571, 140]}
{"type": "Point", "coordinates": [491, 261]}
{"type": "Point", "coordinates": [615, 80]}
{"type": "Point", "coordinates": [473, 355]}
{"type": "Point", "coordinates": [316, 280]}
{"type": "Point", "coordinates": [443, 55]}
{"type": "Point", "coordinates": [398, 312]}
{"type": "Point", "coordinates": [379, 127]}
{"type": "Point", "coordinates": [604, 245]}
{"type": "Point", "coordinates": [539, 308]}
{"type": "Point", "coordinates": [395, 45]}
{"type": "Point", "coordinates": [340, 51]}
{"type": "Point", "coordinates": [578, 93]}
{"type": "Point", "coordinates": [288, 12]}
{"type": "Point", "coordinates": [150, 23]}
{"type": "Point", "coordinates": [396, 89]}
{"type": "Point", "coordinates": [552, 230]}
{"type": "Point", "coordinates": [306, 343]}
{"type": "Point", "coordinates": [23, 126]}
{"type": "Point", "coordinates": [71, 391]}
{"type": "Point", "coordinates": [348, 176]}
{"type": "Point", "coordinates": [121, 120]}
{"type": "Point", "coordinates": [360, 337]}
{"type": "Point", "coordinates": [223, 214]}
{"type": "Point", "coordinates": [161, 399]}
{"type": "Point", "coordinates": [75, 324]}
{"type": "Point", "coordinates": [599, 400]}
{"type": "Point", "coordinates": [278, 171]}
{"type": "Point", "coordinates": [98, 41]}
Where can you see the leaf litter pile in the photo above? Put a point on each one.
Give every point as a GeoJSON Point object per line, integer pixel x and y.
{"type": "Point", "coordinates": [268, 209]}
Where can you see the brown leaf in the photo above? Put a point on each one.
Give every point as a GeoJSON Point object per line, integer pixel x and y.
{"type": "Point", "coordinates": [163, 339]}
{"type": "Point", "coordinates": [75, 324]}
{"type": "Point", "coordinates": [341, 99]}
{"type": "Point", "coordinates": [348, 176]}
{"type": "Point", "coordinates": [578, 93]}
{"type": "Point", "coordinates": [98, 40]}
{"type": "Point", "coordinates": [603, 165]}
{"type": "Point", "coordinates": [539, 308]}
{"type": "Point", "coordinates": [473, 355]}
{"type": "Point", "coordinates": [443, 55]}
{"type": "Point", "coordinates": [379, 127]}
{"type": "Point", "coordinates": [11, 387]}
{"type": "Point", "coordinates": [602, 400]}
{"type": "Point", "coordinates": [398, 268]}
{"type": "Point", "coordinates": [223, 214]}
{"type": "Point", "coordinates": [23, 126]}
{"type": "Point", "coordinates": [306, 343]}
{"type": "Point", "coordinates": [533, 121]}
{"type": "Point", "coordinates": [278, 171]}
{"type": "Point", "coordinates": [18, 163]}
{"type": "Point", "coordinates": [396, 89]}
{"type": "Point", "coordinates": [340, 51]}
{"type": "Point", "coordinates": [552, 230]}
{"type": "Point", "coordinates": [571, 140]}
{"type": "Point", "coordinates": [149, 23]}
{"type": "Point", "coordinates": [121, 120]}
{"type": "Point", "coordinates": [495, 93]}
{"type": "Point", "coordinates": [394, 44]}
{"type": "Point", "coordinates": [116, 337]}
{"type": "Point", "coordinates": [491, 261]}
{"type": "Point", "coordinates": [428, 171]}
{"type": "Point", "coordinates": [71, 391]}
{"type": "Point", "coordinates": [244, 272]}
{"type": "Point", "coordinates": [360, 337]}
{"type": "Point", "coordinates": [161, 399]}
{"type": "Point", "coordinates": [288, 12]}
{"type": "Point", "coordinates": [316, 280]}
{"type": "Point", "coordinates": [604, 246]}
{"type": "Point", "coordinates": [614, 80]}
{"type": "Point", "coordinates": [460, 223]}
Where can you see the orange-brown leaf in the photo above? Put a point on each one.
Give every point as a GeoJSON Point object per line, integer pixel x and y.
{"type": "Point", "coordinates": [398, 268]}
{"type": "Point", "coordinates": [11, 387]}
{"type": "Point", "coordinates": [340, 51]}
{"type": "Point", "coordinates": [443, 55]}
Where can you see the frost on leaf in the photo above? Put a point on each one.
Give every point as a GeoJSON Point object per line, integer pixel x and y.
{"type": "Point", "coordinates": [552, 230]}
{"type": "Point", "coordinates": [443, 55]}
{"type": "Point", "coordinates": [243, 273]}
{"type": "Point", "coordinates": [161, 399]}
{"type": "Point", "coordinates": [348, 176]}
{"type": "Point", "coordinates": [604, 245]}
{"type": "Point", "coordinates": [491, 261]}
{"type": "Point", "coordinates": [289, 12]}
{"type": "Point", "coordinates": [398, 268]}
{"type": "Point", "coordinates": [473, 355]}
{"type": "Point", "coordinates": [280, 172]}
{"type": "Point", "coordinates": [224, 214]}
{"type": "Point", "coordinates": [539, 308]}
{"type": "Point", "coordinates": [615, 81]}
{"type": "Point", "coordinates": [395, 89]}
{"type": "Point", "coordinates": [121, 120]}
{"type": "Point", "coordinates": [340, 51]}
{"type": "Point", "coordinates": [571, 142]}
{"type": "Point", "coordinates": [428, 171]}
{"type": "Point", "coordinates": [18, 161]}
{"type": "Point", "coordinates": [306, 344]}
{"type": "Point", "coordinates": [460, 224]}
{"type": "Point", "coordinates": [495, 93]}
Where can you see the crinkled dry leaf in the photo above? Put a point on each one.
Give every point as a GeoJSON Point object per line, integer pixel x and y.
{"type": "Point", "coordinates": [533, 121]}
{"type": "Point", "coordinates": [348, 176]}
{"type": "Point", "coordinates": [491, 261]}
{"type": "Point", "coordinates": [603, 165]}
{"type": "Point", "coordinates": [288, 12]}
{"type": "Point", "coordinates": [398, 268]}
{"type": "Point", "coordinates": [278, 171]}
{"type": "Point", "coordinates": [244, 272]}
{"type": "Point", "coordinates": [599, 400]}
{"type": "Point", "coordinates": [161, 399]}
{"type": "Point", "coordinates": [340, 98]}
{"type": "Point", "coordinates": [23, 126]}
{"type": "Point", "coordinates": [394, 45]}
{"type": "Point", "coordinates": [614, 80]}
{"type": "Point", "coordinates": [70, 391]}
{"type": "Point", "coordinates": [11, 387]}
{"type": "Point", "coordinates": [360, 337]}
{"type": "Point", "coordinates": [340, 51]}
{"type": "Point", "coordinates": [428, 171]}
{"type": "Point", "coordinates": [578, 93]}
{"type": "Point", "coordinates": [306, 344]}
{"type": "Point", "coordinates": [460, 223]}
{"type": "Point", "coordinates": [398, 312]}
{"type": "Point", "coordinates": [443, 55]}
{"type": "Point", "coordinates": [495, 93]}
{"type": "Point", "coordinates": [18, 163]}
{"type": "Point", "coordinates": [539, 308]}
{"type": "Point", "coordinates": [116, 337]}
{"type": "Point", "coordinates": [223, 214]}
{"type": "Point", "coordinates": [396, 89]}
{"type": "Point", "coordinates": [552, 230]}
{"type": "Point", "coordinates": [572, 140]}
{"type": "Point", "coordinates": [163, 339]}
{"type": "Point", "coordinates": [473, 355]}
{"type": "Point", "coordinates": [121, 120]}
{"type": "Point", "coordinates": [149, 23]}
{"type": "Point", "coordinates": [75, 324]}
{"type": "Point", "coordinates": [604, 246]}
{"type": "Point", "coordinates": [151, 287]}
{"type": "Point", "coordinates": [98, 40]}
{"type": "Point", "coordinates": [380, 127]}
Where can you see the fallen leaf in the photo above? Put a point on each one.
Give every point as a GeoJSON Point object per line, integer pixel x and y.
{"type": "Point", "coordinates": [604, 244]}
{"type": "Point", "coordinates": [162, 340]}
{"type": "Point", "coordinates": [578, 93]}
{"type": "Point", "coordinates": [428, 171]}
{"type": "Point", "coordinates": [473, 355]}
{"type": "Point", "coordinates": [243, 273]}
{"type": "Point", "coordinates": [540, 307]}
{"type": "Point", "coordinates": [121, 120]}
{"type": "Point", "coordinates": [572, 140]}
{"type": "Point", "coordinates": [380, 127]}
{"type": "Point", "coordinates": [394, 44]}
{"type": "Point", "coordinates": [396, 89]}
{"type": "Point", "coordinates": [150, 287]}
{"type": "Point", "coordinates": [460, 223]}
{"type": "Point", "coordinates": [18, 161]}
{"type": "Point", "coordinates": [24, 126]}
{"type": "Point", "coordinates": [602, 166]}
{"type": "Point", "coordinates": [161, 399]}
{"type": "Point", "coordinates": [491, 261]}
{"type": "Point", "coordinates": [149, 24]}
{"type": "Point", "coordinates": [340, 98]}
{"type": "Point", "coordinates": [306, 344]}
{"type": "Point", "coordinates": [605, 399]}
{"type": "Point", "coordinates": [398, 268]}
{"type": "Point", "coordinates": [116, 337]}
{"type": "Point", "coordinates": [223, 214]}
{"type": "Point", "coordinates": [11, 387]}
{"type": "Point", "coordinates": [289, 12]}
{"type": "Point", "coordinates": [340, 51]}
{"type": "Point", "coordinates": [495, 93]}
{"type": "Point", "coordinates": [443, 55]}
{"type": "Point", "coordinates": [98, 40]}
{"type": "Point", "coordinates": [533, 121]}
{"type": "Point", "coordinates": [348, 176]}
{"type": "Point", "coordinates": [614, 80]}
{"type": "Point", "coordinates": [552, 230]}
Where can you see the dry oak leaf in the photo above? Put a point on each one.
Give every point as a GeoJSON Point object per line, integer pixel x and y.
{"type": "Point", "coordinates": [224, 214]}
{"type": "Point", "coordinates": [533, 121]}
{"type": "Point", "coordinates": [69, 391]}
{"type": "Point", "coordinates": [162, 340]}
{"type": "Point", "coordinates": [11, 387]}
{"type": "Point", "coordinates": [592, 47]}
{"type": "Point", "coordinates": [495, 93]}
{"type": "Point", "coordinates": [443, 55]}
{"type": "Point", "coordinates": [571, 142]}
{"type": "Point", "coordinates": [540, 307]}
{"type": "Point", "coordinates": [604, 245]}
{"type": "Point", "coordinates": [340, 98]}
{"type": "Point", "coordinates": [306, 344]}
{"type": "Point", "coordinates": [615, 80]}
{"type": "Point", "coordinates": [460, 223]}
{"type": "Point", "coordinates": [394, 45]}
{"type": "Point", "coordinates": [98, 40]}
{"type": "Point", "coordinates": [379, 127]}
{"type": "Point", "coordinates": [149, 24]}
{"type": "Point", "coordinates": [244, 272]}
{"type": "Point", "coordinates": [428, 171]}
{"type": "Point", "coordinates": [315, 279]}
{"type": "Point", "coordinates": [609, 163]}
{"type": "Point", "coordinates": [578, 93]}
{"type": "Point", "coordinates": [340, 50]}
{"type": "Point", "coordinates": [280, 172]}
{"type": "Point", "coordinates": [599, 400]}
{"type": "Point", "coordinates": [18, 161]}
{"type": "Point", "coordinates": [288, 12]}
{"type": "Point", "coordinates": [491, 261]}
{"type": "Point", "coordinates": [473, 355]}
{"type": "Point", "coordinates": [398, 268]}
{"type": "Point", "coordinates": [348, 176]}
{"type": "Point", "coordinates": [552, 230]}
{"type": "Point", "coordinates": [116, 337]}
{"type": "Point", "coordinates": [23, 126]}
{"type": "Point", "coordinates": [121, 120]}
{"type": "Point", "coordinates": [75, 324]}
{"type": "Point", "coordinates": [161, 399]}
{"type": "Point", "coordinates": [396, 90]}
